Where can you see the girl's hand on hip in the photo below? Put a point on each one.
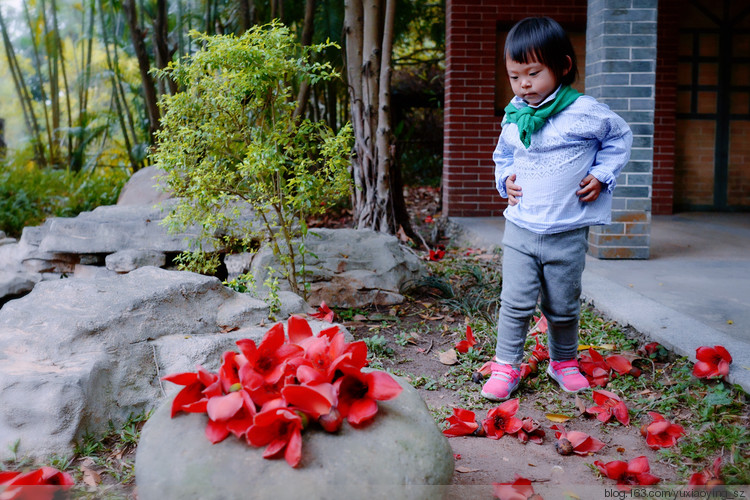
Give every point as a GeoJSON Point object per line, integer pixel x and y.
{"type": "Point", "coordinates": [591, 187]}
{"type": "Point", "coordinates": [513, 190]}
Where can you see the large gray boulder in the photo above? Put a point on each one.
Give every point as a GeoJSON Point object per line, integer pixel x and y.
{"type": "Point", "coordinates": [16, 284]}
{"type": "Point", "coordinates": [109, 229]}
{"type": "Point", "coordinates": [15, 278]}
{"type": "Point", "coordinates": [125, 261]}
{"type": "Point", "coordinates": [351, 267]}
{"type": "Point", "coordinates": [402, 454]}
{"type": "Point", "coordinates": [77, 353]}
{"type": "Point", "coordinates": [145, 187]}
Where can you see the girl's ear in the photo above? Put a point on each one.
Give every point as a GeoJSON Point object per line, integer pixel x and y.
{"type": "Point", "coordinates": [568, 66]}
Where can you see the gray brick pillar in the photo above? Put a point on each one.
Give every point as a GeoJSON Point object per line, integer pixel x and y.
{"type": "Point", "coordinates": [620, 72]}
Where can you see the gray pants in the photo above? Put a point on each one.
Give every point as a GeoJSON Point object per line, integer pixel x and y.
{"type": "Point", "coordinates": [549, 265]}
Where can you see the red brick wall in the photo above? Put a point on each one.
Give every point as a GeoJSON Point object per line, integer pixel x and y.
{"type": "Point", "coordinates": [739, 158]}
{"type": "Point", "coordinates": [694, 177]}
{"type": "Point", "coordinates": [471, 127]}
{"type": "Point", "coordinates": [665, 107]}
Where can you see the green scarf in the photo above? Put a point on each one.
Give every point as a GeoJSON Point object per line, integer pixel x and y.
{"type": "Point", "coordinates": [529, 119]}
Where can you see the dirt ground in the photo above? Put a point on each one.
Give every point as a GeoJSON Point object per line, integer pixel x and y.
{"type": "Point", "coordinates": [481, 461]}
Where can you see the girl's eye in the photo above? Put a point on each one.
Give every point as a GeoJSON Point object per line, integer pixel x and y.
{"type": "Point", "coordinates": [514, 78]}
{"type": "Point", "coordinates": [534, 73]}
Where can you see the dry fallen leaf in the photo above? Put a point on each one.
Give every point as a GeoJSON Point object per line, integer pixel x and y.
{"type": "Point", "coordinates": [580, 405]}
{"type": "Point", "coordinates": [603, 347]}
{"type": "Point", "coordinates": [557, 417]}
{"type": "Point", "coordinates": [90, 477]}
{"type": "Point", "coordinates": [463, 469]}
{"type": "Point", "coordinates": [448, 357]}
{"type": "Point", "coordinates": [431, 318]}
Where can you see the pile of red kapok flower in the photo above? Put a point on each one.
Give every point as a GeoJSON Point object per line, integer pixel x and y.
{"type": "Point", "coordinates": [267, 394]}
{"type": "Point", "coordinates": [38, 484]}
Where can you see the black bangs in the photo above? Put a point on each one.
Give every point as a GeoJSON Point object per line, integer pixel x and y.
{"type": "Point", "coordinates": [543, 40]}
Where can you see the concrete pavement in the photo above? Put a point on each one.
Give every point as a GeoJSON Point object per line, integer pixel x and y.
{"type": "Point", "coordinates": [693, 291]}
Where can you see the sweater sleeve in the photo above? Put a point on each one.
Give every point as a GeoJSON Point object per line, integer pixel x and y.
{"type": "Point", "coordinates": [503, 157]}
{"type": "Point", "coordinates": [615, 139]}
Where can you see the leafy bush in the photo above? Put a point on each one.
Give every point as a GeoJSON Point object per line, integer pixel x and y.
{"type": "Point", "coordinates": [230, 145]}
{"type": "Point", "coordinates": [29, 194]}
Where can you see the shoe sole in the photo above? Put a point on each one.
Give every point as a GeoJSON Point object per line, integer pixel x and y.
{"type": "Point", "coordinates": [492, 397]}
{"type": "Point", "coordinates": [553, 377]}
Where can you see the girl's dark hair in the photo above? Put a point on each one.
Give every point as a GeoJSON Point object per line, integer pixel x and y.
{"type": "Point", "coordinates": [543, 40]}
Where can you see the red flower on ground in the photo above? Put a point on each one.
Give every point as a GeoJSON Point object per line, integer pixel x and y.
{"type": "Point", "coordinates": [594, 368]}
{"type": "Point", "coordinates": [634, 472]}
{"type": "Point", "coordinates": [280, 430]}
{"type": "Point", "coordinates": [266, 360]}
{"type": "Point", "coordinates": [199, 387]}
{"type": "Point", "coordinates": [652, 350]}
{"type": "Point", "coordinates": [327, 354]}
{"type": "Point", "coordinates": [298, 329]}
{"type": "Point", "coordinates": [313, 400]}
{"type": "Point", "coordinates": [576, 442]}
{"type": "Point", "coordinates": [429, 219]}
{"type": "Point", "coordinates": [324, 312]}
{"type": "Point", "coordinates": [622, 365]}
{"type": "Point", "coordinates": [520, 489]}
{"type": "Point", "coordinates": [540, 352]}
{"type": "Point", "coordinates": [486, 369]}
{"type": "Point", "coordinates": [359, 392]}
{"type": "Point", "coordinates": [464, 345]}
{"type": "Point", "coordinates": [229, 371]}
{"type": "Point", "coordinates": [661, 433]}
{"type": "Point", "coordinates": [501, 420]}
{"type": "Point", "coordinates": [707, 477]}
{"type": "Point", "coordinates": [436, 255]}
{"type": "Point", "coordinates": [268, 393]}
{"type": "Point", "coordinates": [541, 325]}
{"type": "Point", "coordinates": [713, 362]}
{"type": "Point", "coordinates": [531, 430]}
{"type": "Point", "coordinates": [609, 405]}
{"type": "Point", "coordinates": [462, 423]}
{"type": "Point", "coordinates": [21, 485]}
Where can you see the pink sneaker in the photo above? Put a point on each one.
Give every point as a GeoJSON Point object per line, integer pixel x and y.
{"type": "Point", "coordinates": [503, 381]}
{"type": "Point", "coordinates": [566, 374]}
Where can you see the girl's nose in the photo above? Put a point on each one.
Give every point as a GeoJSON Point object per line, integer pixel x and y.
{"type": "Point", "coordinates": [525, 82]}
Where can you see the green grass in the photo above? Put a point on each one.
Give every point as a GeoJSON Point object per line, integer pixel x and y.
{"type": "Point", "coordinates": [377, 347]}
{"type": "Point", "coordinates": [29, 195]}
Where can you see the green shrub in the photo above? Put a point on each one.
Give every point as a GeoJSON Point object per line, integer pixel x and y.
{"type": "Point", "coordinates": [230, 144]}
{"type": "Point", "coordinates": [29, 194]}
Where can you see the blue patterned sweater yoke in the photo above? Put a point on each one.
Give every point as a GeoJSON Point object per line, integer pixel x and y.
{"type": "Point", "coordinates": [584, 138]}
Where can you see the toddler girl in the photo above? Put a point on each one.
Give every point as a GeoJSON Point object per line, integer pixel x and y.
{"type": "Point", "coordinates": [557, 160]}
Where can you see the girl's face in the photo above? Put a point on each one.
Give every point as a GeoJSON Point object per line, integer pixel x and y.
{"type": "Point", "coordinates": [532, 81]}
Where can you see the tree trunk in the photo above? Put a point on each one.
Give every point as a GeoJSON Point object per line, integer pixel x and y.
{"type": "Point", "coordinates": [161, 46]}
{"type": "Point", "coordinates": [307, 35]}
{"type": "Point", "coordinates": [246, 9]}
{"type": "Point", "coordinates": [32, 125]}
{"type": "Point", "coordinates": [371, 200]}
{"type": "Point", "coordinates": [377, 198]}
{"type": "Point", "coordinates": [144, 65]}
